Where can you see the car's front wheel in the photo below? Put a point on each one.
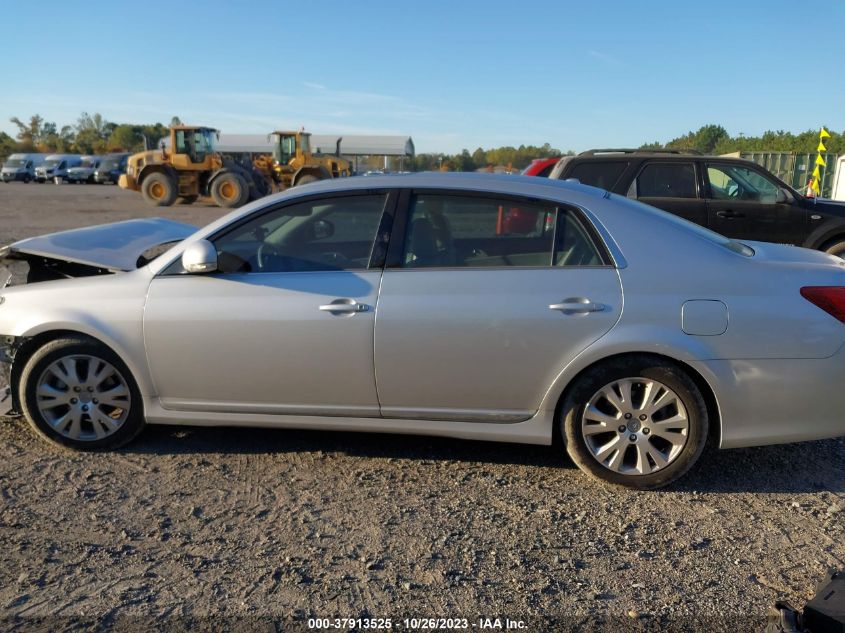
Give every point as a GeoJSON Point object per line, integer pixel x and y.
{"type": "Point", "coordinates": [637, 422]}
{"type": "Point", "coordinates": [76, 392]}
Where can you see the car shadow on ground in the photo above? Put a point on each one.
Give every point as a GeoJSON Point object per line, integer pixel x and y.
{"type": "Point", "coordinates": [787, 468]}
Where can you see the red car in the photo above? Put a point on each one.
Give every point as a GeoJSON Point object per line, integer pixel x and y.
{"type": "Point", "coordinates": [541, 167]}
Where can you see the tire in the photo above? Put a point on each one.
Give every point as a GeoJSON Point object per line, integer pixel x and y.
{"type": "Point", "coordinates": [659, 454]}
{"type": "Point", "coordinates": [229, 190]}
{"type": "Point", "coordinates": [836, 247]}
{"type": "Point", "coordinates": [159, 190]}
{"type": "Point", "coordinates": [72, 415]}
{"type": "Point", "coordinates": [304, 180]}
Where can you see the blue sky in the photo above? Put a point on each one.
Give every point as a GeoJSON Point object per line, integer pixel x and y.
{"type": "Point", "coordinates": [452, 75]}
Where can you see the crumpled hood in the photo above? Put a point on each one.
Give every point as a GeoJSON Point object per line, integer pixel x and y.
{"type": "Point", "coordinates": [115, 247]}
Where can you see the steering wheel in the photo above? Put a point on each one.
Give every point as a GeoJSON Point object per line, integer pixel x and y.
{"type": "Point", "coordinates": [266, 253]}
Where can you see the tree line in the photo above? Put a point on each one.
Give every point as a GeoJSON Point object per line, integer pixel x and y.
{"type": "Point", "coordinates": [714, 139]}
{"type": "Point", "coordinates": [515, 157]}
{"type": "Point", "coordinates": [93, 134]}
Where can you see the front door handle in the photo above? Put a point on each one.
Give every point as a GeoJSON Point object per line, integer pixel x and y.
{"type": "Point", "coordinates": [729, 214]}
{"type": "Point", "coordinates": [344, 306]}
{"type": "Point", "coordinates": [577, 306]}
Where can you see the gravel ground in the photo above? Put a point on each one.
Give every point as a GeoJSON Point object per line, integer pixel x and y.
{"type": "Point", "coordinates": [242, 529]}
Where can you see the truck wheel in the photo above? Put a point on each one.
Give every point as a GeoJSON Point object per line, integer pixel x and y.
{"type": "Point", "coordinates": [836, 247]}
{"type": "Point", "coordinates": [304, 180]}
{"type": "Point", "coordinates": [229, 190]}
{"type": "Point", "coordinates": [159, 190]}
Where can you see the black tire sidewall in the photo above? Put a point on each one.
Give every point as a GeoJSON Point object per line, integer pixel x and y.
{"type": "Point", "coordinates": [49, 353]}
{"type": "Point", "coordinates": [164, 179]}
{"type": "Point", "coordinates": [668, 374]}
{"type": "Point", "coordinates": [223, 202]}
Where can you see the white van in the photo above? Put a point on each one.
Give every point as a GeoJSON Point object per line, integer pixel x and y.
{"type": "Point", "coordinates": [85, 171]}
{"type": "Point", "coordinates": [55, 167]}
{"type": "Point", "coordinates": [21, 167]}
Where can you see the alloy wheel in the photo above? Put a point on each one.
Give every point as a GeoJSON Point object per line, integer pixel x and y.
{"type": "Point", "coordinates": [635, 426]}
{"type": "Point", "coordinates": [83, 397]}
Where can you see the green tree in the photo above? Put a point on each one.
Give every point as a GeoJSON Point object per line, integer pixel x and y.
{"type": "Point", "coordinates": [29, 134]}
{"type": "Point", "coordinates": [126, 138]}
{"type": "Point", "coordinates": [92, 132]}
{"type": "Point", "coordinates": [7, 146]}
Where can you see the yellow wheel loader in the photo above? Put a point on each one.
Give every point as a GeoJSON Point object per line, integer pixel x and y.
{"type": "Point", "coordinates": [191, 168]}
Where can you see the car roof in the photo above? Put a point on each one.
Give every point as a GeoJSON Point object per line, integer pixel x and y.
{"type": "Point", "coordinates": [530, 186]}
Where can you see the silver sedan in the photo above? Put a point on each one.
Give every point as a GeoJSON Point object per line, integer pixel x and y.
{"type": "Point", "coordinates": [485, 307]}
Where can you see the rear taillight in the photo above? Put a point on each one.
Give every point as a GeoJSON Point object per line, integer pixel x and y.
{"type": "Point", "coordinates": [831, 299]}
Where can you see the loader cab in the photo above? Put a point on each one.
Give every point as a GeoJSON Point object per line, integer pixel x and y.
{"type": "Point", "coordinates": [193, 147]}
{"type": "Point", "coordinates": [288, 146]}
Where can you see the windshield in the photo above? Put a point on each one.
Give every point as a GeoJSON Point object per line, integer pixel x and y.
{"type": "Point", "coordinates": [15, 162]}
{"type": "Point", "coordinates": [88, 162]}
{"type": "Point", "coordinates": [110, 163]}
{"type": "Point", "coordinates": [52, 162]}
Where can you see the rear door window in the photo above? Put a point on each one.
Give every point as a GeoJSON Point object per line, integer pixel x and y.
{"type": "Point", "coordinates": [665, 180]}
{"type": "Point", "coordinates": [478, 231]}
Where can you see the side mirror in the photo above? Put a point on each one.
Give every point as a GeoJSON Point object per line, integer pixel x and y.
{"type": "Point", "coordinates": [322, 229]}
{"type": "Point", "coordinates": [200, 257]}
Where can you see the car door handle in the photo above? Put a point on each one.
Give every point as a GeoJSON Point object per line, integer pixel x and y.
{"type": "Point", "coordinates": [345, 306]}
{"type": "Point", "coordinates": [577, 306]}
{"type": "Point", "coordinates": [729, 214]}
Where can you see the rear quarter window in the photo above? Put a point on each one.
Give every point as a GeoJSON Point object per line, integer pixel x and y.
{"type": "Point", "coordinates": [602, 174]}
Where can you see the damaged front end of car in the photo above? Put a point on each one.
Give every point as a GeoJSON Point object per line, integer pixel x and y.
{"type": "Point", "coordinates": [97, 250]}
{"type": "Point", "coordinates": [105, 249]}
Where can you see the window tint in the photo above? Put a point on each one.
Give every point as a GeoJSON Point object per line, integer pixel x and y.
{"type": "Point", "coordinates": [328, 234]}
{"type": "Point", "coordinates": [599, 174]}
{"type": "Point", "coordinates": [740, 183]}
{"type": "Point", "coordinates": [475, 232]}
{"type": "Point", "coordinates": [665, 180]}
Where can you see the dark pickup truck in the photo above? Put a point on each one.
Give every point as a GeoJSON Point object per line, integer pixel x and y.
{"type": "Point", "coordinates": [731, 196]}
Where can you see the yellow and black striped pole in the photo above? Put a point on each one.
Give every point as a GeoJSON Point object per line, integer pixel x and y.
{"type": "Point", "coordinates": [816, 180]}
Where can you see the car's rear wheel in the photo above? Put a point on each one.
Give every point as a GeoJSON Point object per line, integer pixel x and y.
{"type": "Point", "coordinates": [76, 392]}
{"type": "Point", "coordinates": [638, 422]}
{"type": "Point", "coordinates": [836, 247]}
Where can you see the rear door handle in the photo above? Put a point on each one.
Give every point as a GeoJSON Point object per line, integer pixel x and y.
{"type": "Point", "coordinates": [344, 306]}
{"type": "Point", "coordinates": [577, 306]}
{"type": "Point", "coordinates": [729, 214]}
